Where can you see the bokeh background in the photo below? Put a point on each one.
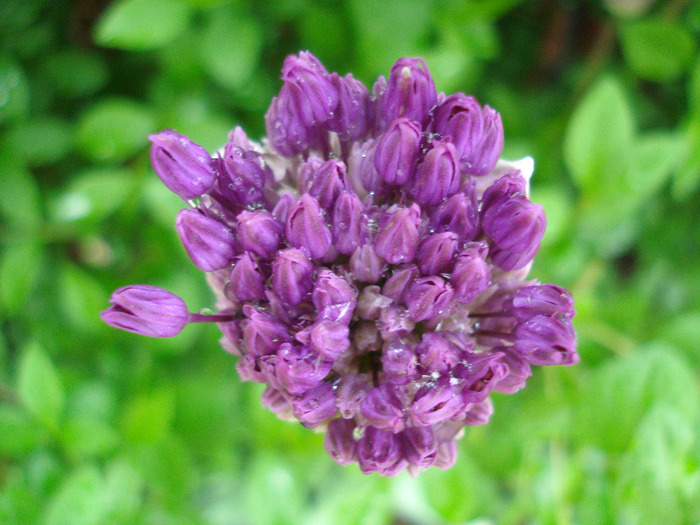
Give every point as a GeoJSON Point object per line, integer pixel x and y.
{"type": "Point", "coordinates": [103, 427]}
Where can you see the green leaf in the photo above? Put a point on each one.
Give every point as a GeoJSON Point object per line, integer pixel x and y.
{"type": "Point", "coordinates": [94, 194]}
{"type": "Point", "coordinates": [20, 265]}
{"type": "Point", "coordinates": [19, 435]}
{"type": "Point", "coordinates": [687, 178]}
{"type": "Point", "coordinates": [76, 73]}
{"type": "Point", "coordinates": [39, 386]}
{"type": "Point", "coordinates": [598, 141]}
{"type": "Point", "coordinates": [85, 437]}
{"type": "Point", "coordinates": [14, 91]}
{"type": "Point", "coordinates": [113, 129]}
{"type": "Point", "coordinates": [139, 25]}
{"type": "Point", "coordinates": [657, 49]}
{"type": "Point", "coordinates": [147, 418]}
{"type": "Point", "coordinates": [41, 141]}
{"type": "Point", "coordinates": [78, 500]}
{"type": "Point", "coordinates": [230, 48]}
{"type": "Point", "coordinates": [654, 156]}
{"type": "Point", "coordinates": [20, 201]}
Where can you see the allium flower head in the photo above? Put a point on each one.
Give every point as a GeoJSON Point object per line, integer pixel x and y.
{"type": "Point", "coordinates": [369, 257]}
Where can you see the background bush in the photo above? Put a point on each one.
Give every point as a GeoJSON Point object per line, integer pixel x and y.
{"type": "Point", "coordinates": [99, 426]}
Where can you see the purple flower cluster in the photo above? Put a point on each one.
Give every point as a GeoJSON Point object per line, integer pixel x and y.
{"type": "Point", "coordinates": [369, 258]}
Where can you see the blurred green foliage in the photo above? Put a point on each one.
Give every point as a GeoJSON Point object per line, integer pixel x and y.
{"type": "Point", "coordinates": [103, 427]}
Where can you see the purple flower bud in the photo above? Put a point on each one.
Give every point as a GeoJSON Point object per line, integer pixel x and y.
{"type": "Point", "coordinates": [428, 298]}
{"type": "Point", "coordinates": [437, 354]}
{"type": "Point", "coordinates": [333, 298]}
{"type": "Point", "coordinates": [516, 227]}
{"type": "Point", "coordinates": [184, 167]}
{"type": "Point", "coordinates": [471, 274]}
{"type": "Point", "coordinates": [209, 243]}
{"type": "Point", "coordinates": [339, 441]}
{"type": "Point", "coordinates": [306, 227]}
{"type": "Point", "coordinates": [419, 446]}
{"type": "Point", "coordinates": [281, 210]}
{"type": "Point", "coordinates": [383, 409]}
{"type": "Point", "coordinates": [446, 454]}
{"type": "Point", "coordinates": [315, 405]}
{"type": "Point", "coordinates": [248, 367]}
{"type": "Point", "coordinates": [480, 372]}
{"type": "Point", "coordinates": [330, 339]}
{"type": "Point", "coordinates": [437, 177]}
{"type": "Point", "coordinates": [264, 333]}
{"type": "Point", "coordinates": [477, 133]}
{"type": "Point", "coordinates": [397, 285]}
{"type": "Point", "coordinates": [545, 340]}
{"type": "Point", "coordinates": [517, 370]}
{"type": "Point", "coordinates": [275, 401]}
{"type": "Point", "coordinates": [397, 152]}
{"type": "Point", "coordinates": [479, 413]}
{"type": "Point", "coordinates": [291, 275]}
{"type": "Point", "coordinates": [509, 185]}
{"type": "Point", "coordinates": [371, 302]}
{"type": "Point", "coordinates": [308, 90]}
{"type": "Point", "coordinates": [298, 369]}
{"type": "Point", "coordinates": [146, 310]}
{"type": "Point", "coordinates": [231, 337]}
{"type": "Point", "coordinates": [365, 265]}
{"type": "Point", "coordinates": [410, 92]}
{"type": "Point", "coordinates": [395, 323]}
{"type": "Point", "coordinates": [543, 299]}
{"type": "Point", "coordinates": [351, 118]}
{"type": "Point", "coordinates": [398, 363]}
{"type": "Point", "coordinates": [435, 253]}
{"type": "Point", "coordinates": [287, 134]}
{"type": "Point", "coordinates": [458, 214]}
{"type": "Point", "coordinates": [397, 239]}
{"type": "Point", "coordinates": [245, 179]}
{"type": "Point", "coordinates": [349, 223]}
{"type": "Point", "coordinates": [379, 451]}
{"type": "Point", "coordinates": [352, 390]}
{"type": "Point", "coordinates": [363, 176]}
{"type": "Point", "coordinates": [325, 181]}
{"type": "Point", "coordinates": [247, 280]}
{"type": "Point", "coordinates": [433, 403]}
{"type": "Point", "coordinates": [259, 232]}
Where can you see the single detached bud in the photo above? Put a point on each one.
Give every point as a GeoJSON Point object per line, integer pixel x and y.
{"type": "Point", "coordinates": [315, 405]}
{"type": "Point", "coordinates": [542, 299]}
{"type": "Point", "coordinates": [333, 298]}
{"type": "Point", "coordinates": [259, 233]}
{"type": "Point", "coordinates": [471, 274]}
{"type": "Point", "coordinates": [291, 275]}
{"type": "Point", "coordinates": [383, 409]}
{"type": "Point", "coordinates": [365, 265]}
{"type": "Point", "coordinates": [458, 214]}
{"type": "Point", "coordinates": [397, 238]}
{"type": "Point", "coordinates": [397, 152]}
{"type": "Point", "coordinates": [264, 333]}
{"type": "Point", "coordinates": [351, 118]}
{"type": "Point", "coordinates": [410, 92]}
{"type": "Point", "coordinates": [516, 227]}
{"type": "Point", "coordinates": [476, 133]}
{"type": "Point", "coordinates": [437, 177]}
{"type": "Point", "coordinates": [306, 227]}
{"type": "Point", "coordinates": [349, 223]}
{"type": "Point", "coordinates": [307, 91]}
{"type": "Point", "coordinates": [245, 178]}
{"type": "Point", "coordinates": [545, 340]}
{"type": "Point", "coordinates": [435, 253]}
{"type": "Point", "coordinates": [146, 310]}
{"type": "Point", "coordinates": [209, 243]}
{"type": "Point", "coordinates": [247, 281]}
{"type": "Point", "coordinates": [184, 167]}
{"type": "Point", "coordinates": [428, 298]}
{"type": "Point", "coordinates": [339, 441]}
